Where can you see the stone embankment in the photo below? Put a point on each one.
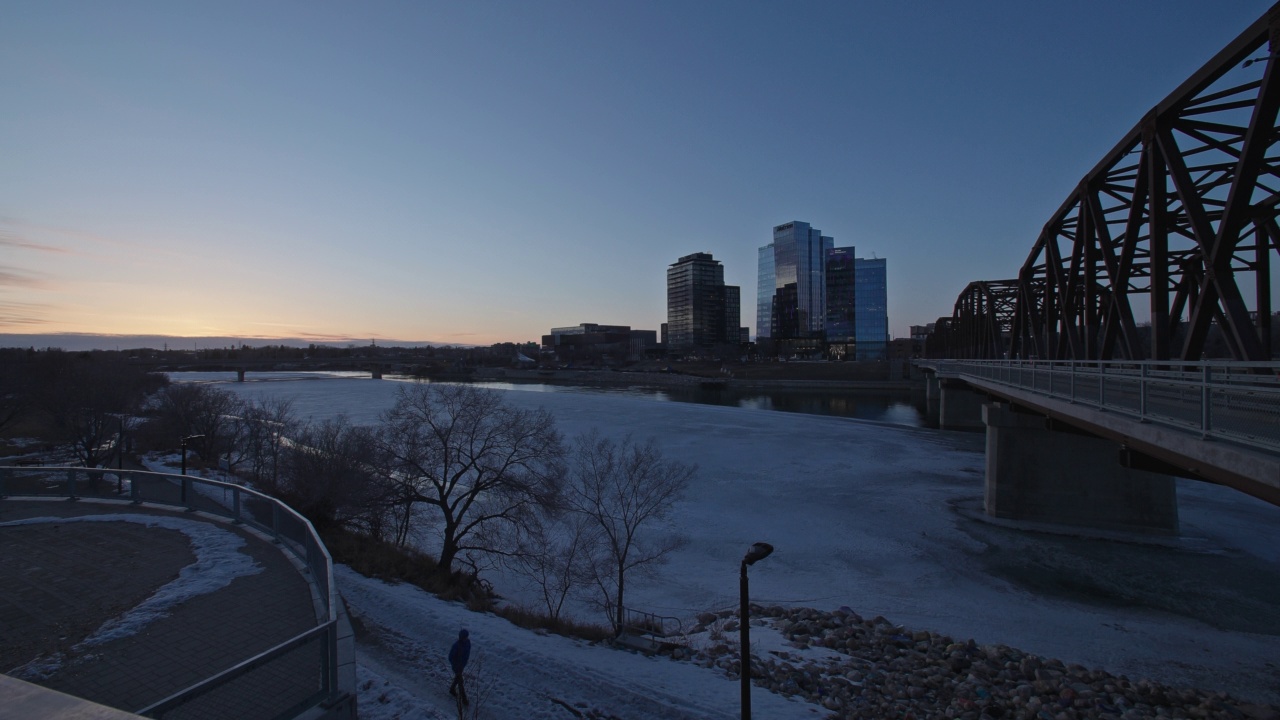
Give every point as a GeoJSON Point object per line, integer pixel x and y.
{"type": "Point", "coordinates": [881, 670]}
{"type": "Point", "coordinates": [660, 379]}
{"type": "Point", "coordinates": [588, 377]}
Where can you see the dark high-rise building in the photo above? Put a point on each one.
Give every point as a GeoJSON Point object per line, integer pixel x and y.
{"type": "Point", "coordinates": [701, 310]}
{"type": "Point", "coordinates": [842, 298]}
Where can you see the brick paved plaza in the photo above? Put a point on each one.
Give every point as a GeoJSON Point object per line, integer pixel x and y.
{"type": "Point", "coordinates": [61, 581]}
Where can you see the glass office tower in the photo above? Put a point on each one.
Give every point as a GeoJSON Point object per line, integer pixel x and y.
{"type": "Point", "coordinates": [871, 317]}
{"type": "Point", "coordinates": [791, 289]}
{"type": "Point", "coordinates": [764, 293]}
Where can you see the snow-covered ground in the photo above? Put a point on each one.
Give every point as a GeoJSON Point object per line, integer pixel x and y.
{"type": "Point", "coordinates": [875, 517]}
{"type": "Point", "coordinates": [517, 673]}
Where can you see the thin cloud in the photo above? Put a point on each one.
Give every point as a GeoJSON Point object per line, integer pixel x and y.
{"type": "Point", "coordinates": [25, 229]}
{"type": "Point", "coordinates": [22, 314]}
{"type": "Point", "coordinates": [64, 231]}
{"type": "Point", "coordinates": [17, 277]}
{"type": "Point", "coordinates": [324, 338]}
{"type": "Point", "coordinates": [11, 240]}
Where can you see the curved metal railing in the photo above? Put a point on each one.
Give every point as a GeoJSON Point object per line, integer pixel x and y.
{"type": "Point", "coordinates": [315, 650]}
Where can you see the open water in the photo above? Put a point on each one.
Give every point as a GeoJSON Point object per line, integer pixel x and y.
{"type": "Point", "coordinates": [362, 399]}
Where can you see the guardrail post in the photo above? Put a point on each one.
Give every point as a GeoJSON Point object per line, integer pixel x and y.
{"type": "Point", "coordinates": [235, 505]}
{"type": "Point", "coordinates": [1205, 396]}
{"type": "Point", "coordinates": [187, 492]}
{"type": "Point", "coordinates": [1142, 394]}
{"type": "Point", "coordinates": [4, 477]}
{"type": "Point", "coordinates": [1102, 384]}
{"type": "Point", "coordinates": [275, 523]}
{"type": "Point", "coordinates": [1073, 381]}
{"type": "Point", "coordinates": [71, 484]}
{"type": "Point", "coordinates": [134, 493]}
{"type": "Point", "coordinates": [330, 661]}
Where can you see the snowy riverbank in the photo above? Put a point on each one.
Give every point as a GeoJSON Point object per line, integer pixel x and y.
{"type": "Point", "coordinates": [879, 518]}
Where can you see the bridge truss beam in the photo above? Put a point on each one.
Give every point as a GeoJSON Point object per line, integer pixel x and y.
{"type": "Point", "coordinates": [983, 320]}
{"type": "Point", "coordinates": [1163, 247]}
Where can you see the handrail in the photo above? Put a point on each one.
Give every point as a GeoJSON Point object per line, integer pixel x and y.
{"type": "Point", "coordinates": [214, 682]}
{"type": "Point", "coordinates": [1233, 401]}
{"type": "Point", "coordinates": [651, 624]}
{"type": "Point", "coordinates": [196, 494]}
{"type": "Point", "coordinates": [1225, 364]}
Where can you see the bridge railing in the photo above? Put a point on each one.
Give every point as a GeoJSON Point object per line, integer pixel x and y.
{"type": "Point", "coordinates": [298, 673]}
{"type": "Point", "coordinates": [1238, 401]}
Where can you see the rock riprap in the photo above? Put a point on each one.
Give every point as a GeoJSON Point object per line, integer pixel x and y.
{"type": "Point", "coordinates": [882, 670]}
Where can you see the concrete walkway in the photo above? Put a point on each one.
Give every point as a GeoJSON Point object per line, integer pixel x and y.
{"type": "Point", "coordinates": [61, 581]}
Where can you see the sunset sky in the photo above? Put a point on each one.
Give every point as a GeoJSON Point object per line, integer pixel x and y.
{"type": "Point", "coordinates": [476, 172]}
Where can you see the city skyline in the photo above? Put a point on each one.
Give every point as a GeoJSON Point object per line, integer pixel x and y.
{"type": "Point", "coordinates": [475, 174]}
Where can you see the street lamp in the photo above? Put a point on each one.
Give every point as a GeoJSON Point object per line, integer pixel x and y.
{"type": "Point", "coordinates": [758, 552]}
{"type": "Point", "coordinates": [184, 450]}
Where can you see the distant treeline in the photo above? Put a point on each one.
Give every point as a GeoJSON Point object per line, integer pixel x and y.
{"type": "Point", "coordinates": [80, 401]}
{"type": "Point", "coordinates": [425, 359]}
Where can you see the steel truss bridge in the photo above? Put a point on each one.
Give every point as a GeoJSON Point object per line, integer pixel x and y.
{"type": "Point", "coordinates": [1164, 250]}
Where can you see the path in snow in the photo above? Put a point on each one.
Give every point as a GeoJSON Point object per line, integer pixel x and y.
{"type": "Point", "coordinates": [407, 633]}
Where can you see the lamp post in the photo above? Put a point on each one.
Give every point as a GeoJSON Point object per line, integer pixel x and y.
{"type": "Point", "coordinates": [184, 450]}
{"type": "Point", "coordinates": [119, 452]}
{"type": "Point", "coordinates": [120, 459]}
{"type": "Point", "coordinates": [758, 551]}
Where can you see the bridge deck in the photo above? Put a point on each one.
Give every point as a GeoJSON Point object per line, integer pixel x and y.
{"type": "Point", "coordinates": [1225, 430]}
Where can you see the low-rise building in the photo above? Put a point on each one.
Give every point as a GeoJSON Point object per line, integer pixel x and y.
{"type": "Point", "coordinates": [594, 344]}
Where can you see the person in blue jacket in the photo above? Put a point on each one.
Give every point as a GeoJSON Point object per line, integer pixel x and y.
{"type": "Point", "coordinates": [458, 656]}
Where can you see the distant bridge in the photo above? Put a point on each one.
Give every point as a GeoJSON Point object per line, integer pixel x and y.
{"type": "Point", "coordinates": [1086, 369]}
{"type": "Point", "coordinates": [374, 366]}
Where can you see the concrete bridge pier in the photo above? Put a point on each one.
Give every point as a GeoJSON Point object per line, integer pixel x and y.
{"type": "Point", "coordinates": [376, 372]}
{"type": "Point", "coordinates": [960, 406]}
{"type": "Point", "coordinates": [932, 399]}
{"type": "Point", "coordinates": [1069, 477]}
{"type": "Point", "coordinates": [240, 375]}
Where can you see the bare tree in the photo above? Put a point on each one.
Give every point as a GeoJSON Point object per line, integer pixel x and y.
{"type": "Point", "coordinates": [207, 413]}
{"type": "Point", "coordinates": [329, 475]}
{"type": "Point", "coordinates": [85, 398]}
{"type": "Point", "coordinates": [487, 467]}
{"type": "Point", "coordinates": [15, 385]}
{"type": "Point", "coordinates": [557, 558]}
{"type": "Point", "coordinates": [623, 487]}
{"type": "Point", "coordinates": [266, 427]}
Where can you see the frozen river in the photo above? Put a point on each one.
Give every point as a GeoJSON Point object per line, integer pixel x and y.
{"type": "Point", "coordinates": [886, 519]}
